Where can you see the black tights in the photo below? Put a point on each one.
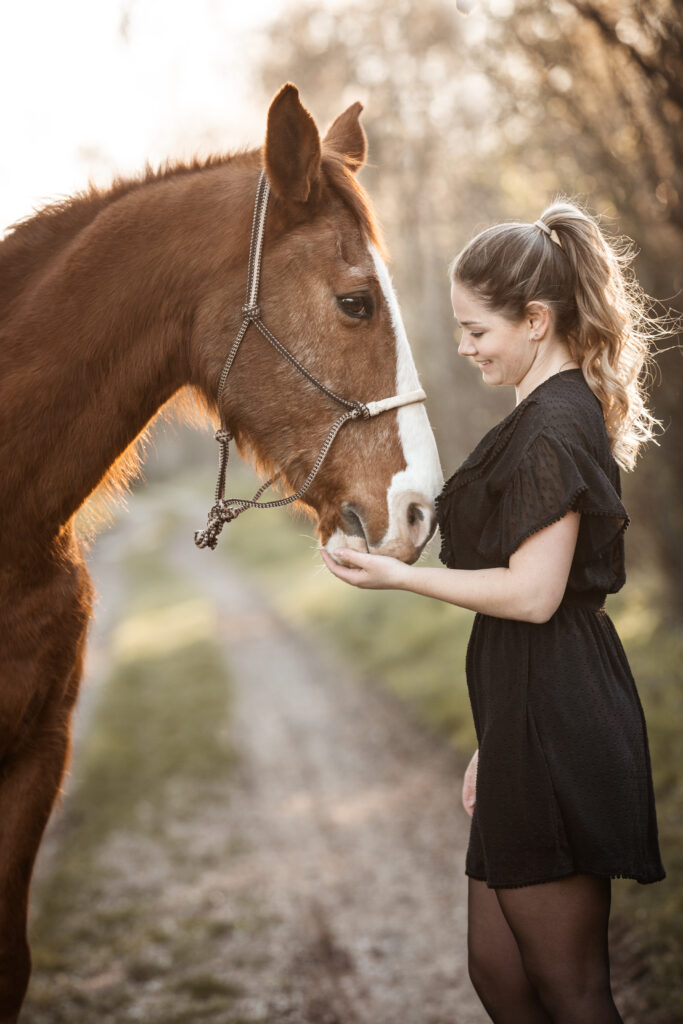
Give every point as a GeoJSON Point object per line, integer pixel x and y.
{"type": "Point", "coordinates": [538, 953]}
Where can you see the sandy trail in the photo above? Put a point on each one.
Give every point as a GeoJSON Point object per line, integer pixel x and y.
{"type": "Point", "coordinates": [354, 836]}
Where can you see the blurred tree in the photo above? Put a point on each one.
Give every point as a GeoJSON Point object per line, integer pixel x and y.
{"type": "Point", "coordinates": [421, 121]}
{"type": "Point", "coordinates": [487, 118]}
{"type": "Point", "coordinates": [601, 104]}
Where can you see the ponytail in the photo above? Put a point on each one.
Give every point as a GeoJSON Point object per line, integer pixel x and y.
{"type": "Point", "coordinates": [599, 308]}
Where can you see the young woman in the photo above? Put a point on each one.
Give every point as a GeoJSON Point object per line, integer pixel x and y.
{"type": "Point", "coordinates": [560, 789]}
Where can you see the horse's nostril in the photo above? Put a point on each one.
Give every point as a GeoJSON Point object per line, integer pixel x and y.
{"type": "Point", "coordinates": [415, 514]}
{"type": "Point", "coordinates": [352, 522]}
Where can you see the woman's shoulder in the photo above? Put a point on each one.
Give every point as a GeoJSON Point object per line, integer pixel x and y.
{"type": "Point", "coordinates": [569, 413]}
{"type": "Point", "coordinates": [565, 405]}
{"type": "Point", "coordinates": [562, 406]}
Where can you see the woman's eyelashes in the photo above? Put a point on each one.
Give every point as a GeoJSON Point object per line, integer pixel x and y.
{"type": "Point", "coordinates": [462, 331]}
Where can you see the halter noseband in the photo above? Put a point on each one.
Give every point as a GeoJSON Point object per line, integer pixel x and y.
{"type": "Point", "coordinates": [224, 510]}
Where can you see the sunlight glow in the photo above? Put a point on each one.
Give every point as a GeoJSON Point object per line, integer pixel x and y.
{"type": "Point", "coordinates": [95, 90]}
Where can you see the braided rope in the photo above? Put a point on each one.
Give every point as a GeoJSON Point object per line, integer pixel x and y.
{"type": "Point", "coordinates": [306, 373]}
{"type": "Point", "coordinates": [226, 509]}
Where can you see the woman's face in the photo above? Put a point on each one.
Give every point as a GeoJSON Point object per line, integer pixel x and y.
{"type": "Point", "coordinates": [503, 350]}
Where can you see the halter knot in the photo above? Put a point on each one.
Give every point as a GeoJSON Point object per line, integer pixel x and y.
{"type": "Point", "coordinates": [225, 512]}
{"type": "Point", "coordinates": [251, 312]}
{"type": "Point", "coordinates": [360, 409]}
{"type": "Point", "coordinates": [222, 435]}
{"type": "Point", "coordinates": [220, 514]}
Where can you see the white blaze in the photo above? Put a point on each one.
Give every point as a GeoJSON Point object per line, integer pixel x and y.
{"type": "Point", "coordinates": [423, 468]}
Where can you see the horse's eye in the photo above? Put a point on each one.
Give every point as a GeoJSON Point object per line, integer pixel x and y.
{"type": "Point", "coordinates": [359, 306]}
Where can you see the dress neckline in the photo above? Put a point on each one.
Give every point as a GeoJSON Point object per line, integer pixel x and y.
{"type": "Point", "coordinates": [492, 439]}
{"type": "Point", "coordinates": [515, 410]}
{"type": "Point", "coordinates": [559, 373]}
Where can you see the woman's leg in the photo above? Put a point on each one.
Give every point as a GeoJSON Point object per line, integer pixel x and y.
{"type": "Point", "coordinates": [561, 932]}
{"type": "Point", "coordinates": [495, 964]}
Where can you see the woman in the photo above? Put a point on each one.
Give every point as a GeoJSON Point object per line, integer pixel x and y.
{"type": "Point", "coordinates": [532, 530]}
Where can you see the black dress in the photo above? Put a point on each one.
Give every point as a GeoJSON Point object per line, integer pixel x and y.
{"type": "Point", "coordinates": [564, 782]}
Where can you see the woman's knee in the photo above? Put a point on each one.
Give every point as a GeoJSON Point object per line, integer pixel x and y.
{"type": "Point", "coordinates": [504, 989]}
{"type": "Point", "coordinates": [495, 979]}
{"type": "Point", "coordinates": [482, 973]}
{"type": "Point", "coordinates": [572, 995]}
{"type": "Point", "coordinates": [486, 981]}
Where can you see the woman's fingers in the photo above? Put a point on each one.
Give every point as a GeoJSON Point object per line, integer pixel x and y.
{"type": "Point", "coordinates": [376, 572]}
{"type": "Point", "coordinates": [359, 559]}
{"type": "Point", "coordinates": [342, 572]}
{"type": "Point", "coordinates": [365, 570]}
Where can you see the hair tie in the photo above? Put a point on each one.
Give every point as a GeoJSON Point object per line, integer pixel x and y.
{"type": "Point", "coordinates": [550, 232]}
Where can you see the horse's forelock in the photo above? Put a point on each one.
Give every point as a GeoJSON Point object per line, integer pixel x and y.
{"type": "Point", "coordinates": [343, 182]}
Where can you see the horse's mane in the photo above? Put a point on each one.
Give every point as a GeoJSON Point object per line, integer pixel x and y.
{"type": "Point", "coordinates": [32, 241]}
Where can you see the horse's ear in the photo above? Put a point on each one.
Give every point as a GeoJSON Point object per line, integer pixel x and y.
{"type": "Point", "coordinates": [292, 149]}
{"type": "Point", "coordinates": [346, 137]}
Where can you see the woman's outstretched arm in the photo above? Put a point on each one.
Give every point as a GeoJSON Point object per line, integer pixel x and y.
{"type": "Point", "coordinates": [530, 589]}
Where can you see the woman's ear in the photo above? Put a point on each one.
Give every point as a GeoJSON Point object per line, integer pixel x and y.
{"type": "Point", "coordinates": [538, 319]}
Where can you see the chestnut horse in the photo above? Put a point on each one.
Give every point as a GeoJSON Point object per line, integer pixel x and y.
{"type": "Point", "coordinates": [112, 302]}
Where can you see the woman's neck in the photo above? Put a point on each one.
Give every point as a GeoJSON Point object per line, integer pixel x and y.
{"type": "Point", "coordinates": [560, 360]}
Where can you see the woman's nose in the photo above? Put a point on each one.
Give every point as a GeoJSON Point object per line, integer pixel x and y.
{"type": "Point", "coordinates": [466, 348]}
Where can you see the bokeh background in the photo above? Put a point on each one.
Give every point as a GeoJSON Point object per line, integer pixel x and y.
{"type": "Point", "coordinates": [475, 112]}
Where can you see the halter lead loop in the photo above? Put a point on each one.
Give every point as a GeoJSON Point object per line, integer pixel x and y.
{"type": "Point", "coordinates": [224, 510]}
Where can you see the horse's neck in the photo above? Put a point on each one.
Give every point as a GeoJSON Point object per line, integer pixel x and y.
{"type": "Point", "coordinates": [96, 345]}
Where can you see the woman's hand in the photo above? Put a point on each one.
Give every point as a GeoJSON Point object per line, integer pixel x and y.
{"type": "Point", "coordinates": [371, 572]}
{"type": "Point", "coordinates": [469, 785]}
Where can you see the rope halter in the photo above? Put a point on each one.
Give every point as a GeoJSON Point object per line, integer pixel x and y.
{"type": "Point", "coordinates": [225, 510]}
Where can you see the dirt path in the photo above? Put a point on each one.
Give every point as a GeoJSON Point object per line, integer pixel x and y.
{"type": "Point", "coordinates": [319, 882]}
{"type": "Point", "coordinates": [354, 839]}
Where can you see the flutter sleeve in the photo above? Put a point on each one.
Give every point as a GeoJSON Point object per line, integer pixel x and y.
{"type": "Point", "coordinates": [553, 477]}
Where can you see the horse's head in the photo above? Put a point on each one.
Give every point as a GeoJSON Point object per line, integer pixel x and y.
{"type": "Point", "coordinates": [326, 294]}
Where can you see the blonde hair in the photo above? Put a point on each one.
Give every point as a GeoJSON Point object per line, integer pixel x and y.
{"type": "Point", "coordinates": [598, 307]}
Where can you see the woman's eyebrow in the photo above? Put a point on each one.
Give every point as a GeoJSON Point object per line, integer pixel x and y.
{"type": "Point", "coordinates": [466, 323]}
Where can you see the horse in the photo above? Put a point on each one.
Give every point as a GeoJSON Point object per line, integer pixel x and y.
{"type": "Point", "coordinates": [116, 300]}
